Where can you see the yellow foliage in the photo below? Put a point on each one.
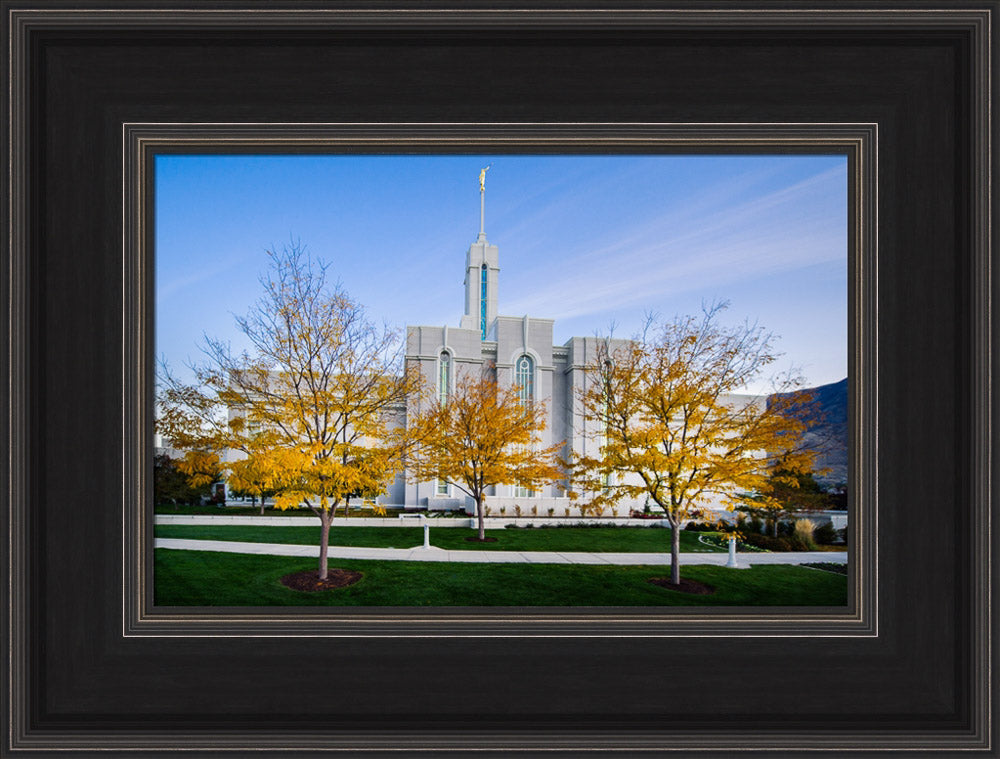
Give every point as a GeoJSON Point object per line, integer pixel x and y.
{"type": "Point", "coordinates": [311, 409]}
{"type": "Point", "coordinates": [481, 437]}
{"type": "Point", "coordinates": [201, 467]}
{"type": "Point", "coordinates": [378, 508]}
{"type": "Point", "coordinates": [659, 409]}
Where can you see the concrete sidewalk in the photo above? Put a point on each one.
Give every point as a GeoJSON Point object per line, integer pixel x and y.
{"type": "Point", "coordinates": [523, 557]}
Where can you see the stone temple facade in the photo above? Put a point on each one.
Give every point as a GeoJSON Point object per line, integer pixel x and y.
{"type": "Point", "coordinates": [521, 349]}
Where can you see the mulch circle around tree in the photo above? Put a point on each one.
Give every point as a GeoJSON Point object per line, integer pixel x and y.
{"type": "Point", "coordinates": [475, 539]}
{"type": "Point", "coordinates": [684, 586]}
{"type": "Point", "coordinates": [309, 581]}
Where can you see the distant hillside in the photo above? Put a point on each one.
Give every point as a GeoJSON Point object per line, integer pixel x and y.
{"type": "Point", "coordinates": [827, 433]}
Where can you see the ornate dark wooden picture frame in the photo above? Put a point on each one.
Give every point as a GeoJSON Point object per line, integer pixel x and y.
{"type": "Point", "coordinates": [95, 90]}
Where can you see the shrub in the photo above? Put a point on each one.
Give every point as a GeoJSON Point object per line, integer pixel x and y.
{"type": "Point", "coordinates": [804, 532]}
{"type": "Point", "coordinates": [551, 512]}
{"type": "Point", "coordinates": [825, 534]}
{"type": "Point", "coordinates": [842, 534]}
{"type": "Point", "coordinates": [755, 524]}
{"type": "Point", "coordinates": [797, 542]}
{"type": "Point", "coordinates": [768, 543]}
{"type": "Point", "coordinates": [702, 527]}
{"type": "Point", "coordinates": [517, 511]}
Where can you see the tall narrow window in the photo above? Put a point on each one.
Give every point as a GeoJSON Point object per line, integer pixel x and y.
{"type": "Point", "coordinates": [442, 487]}
{"type": "Point", "coordinates": [444, 376]}
{"type": "Point", "coordinates": [482, 301]}
{"type": "Point", "coordinates": [525, 378]}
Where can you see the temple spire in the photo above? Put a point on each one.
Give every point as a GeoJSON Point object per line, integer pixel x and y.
{"type": "Point", "coordinates": [482, 269]}
{"type": "Point", "coordinates": [482, 204]}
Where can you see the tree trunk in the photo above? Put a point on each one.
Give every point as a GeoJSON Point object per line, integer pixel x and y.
{"type": "Point", "coordinates": [479, 512]}
{"type": "Point", "coordinates": [326, 518]}
{"type": "Point", "coordinates": [262, 500]}
{"type": "Point", "coordinates": [675, 552]}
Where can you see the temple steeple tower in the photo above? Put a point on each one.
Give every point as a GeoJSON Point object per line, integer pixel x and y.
{"type": "Point", "coordinates": [482, 269]}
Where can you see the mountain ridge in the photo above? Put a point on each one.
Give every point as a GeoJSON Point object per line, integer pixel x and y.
{"type": "Point", "coordinates": [826, 431]}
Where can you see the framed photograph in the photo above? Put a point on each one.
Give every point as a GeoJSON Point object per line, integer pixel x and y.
{"type": "Point", "coordinates": [195, 189]}
{"type": "Point", "coordinates": [793, 205]}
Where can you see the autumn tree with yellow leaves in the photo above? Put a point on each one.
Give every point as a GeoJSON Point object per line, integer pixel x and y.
{"type": "Point", "coordinates": [480, 436]}
{"type": "Point", "coordinates": [661, 411]}
{"type": "Point", "coordinates": [311, 405]}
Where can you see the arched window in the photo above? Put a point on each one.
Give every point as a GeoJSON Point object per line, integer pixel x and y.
{"type": "Point", "coordinates": [525, 378]}
{"type": "Point", "coordinates": [444, 376]}
{"type": "Point", "coordinates": [482, 300]}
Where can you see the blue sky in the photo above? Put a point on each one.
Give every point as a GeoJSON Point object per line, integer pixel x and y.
{"type": "Point", "coordinates": [584, 240]}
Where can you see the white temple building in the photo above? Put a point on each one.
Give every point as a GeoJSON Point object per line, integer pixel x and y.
{"type": "Point", "coordinates": [522, 351]}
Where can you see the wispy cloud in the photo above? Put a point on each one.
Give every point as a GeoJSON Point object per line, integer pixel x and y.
{"type": "Point", "coordinates": [188, 281]}
{"type": "Point", "coordinates": [672, 253]}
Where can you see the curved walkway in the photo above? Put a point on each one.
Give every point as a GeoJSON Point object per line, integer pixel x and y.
{"type": "Point", "coordinates": [486, 557]}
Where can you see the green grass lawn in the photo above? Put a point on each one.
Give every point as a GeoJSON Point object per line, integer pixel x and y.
{"type": "Point", "coordinates": [202, 578]}
{"type": "Point", "coordinates": [614, 539]}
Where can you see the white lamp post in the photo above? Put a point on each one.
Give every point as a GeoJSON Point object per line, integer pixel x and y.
{"type": "Point", "coordinates": [732, 553]}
